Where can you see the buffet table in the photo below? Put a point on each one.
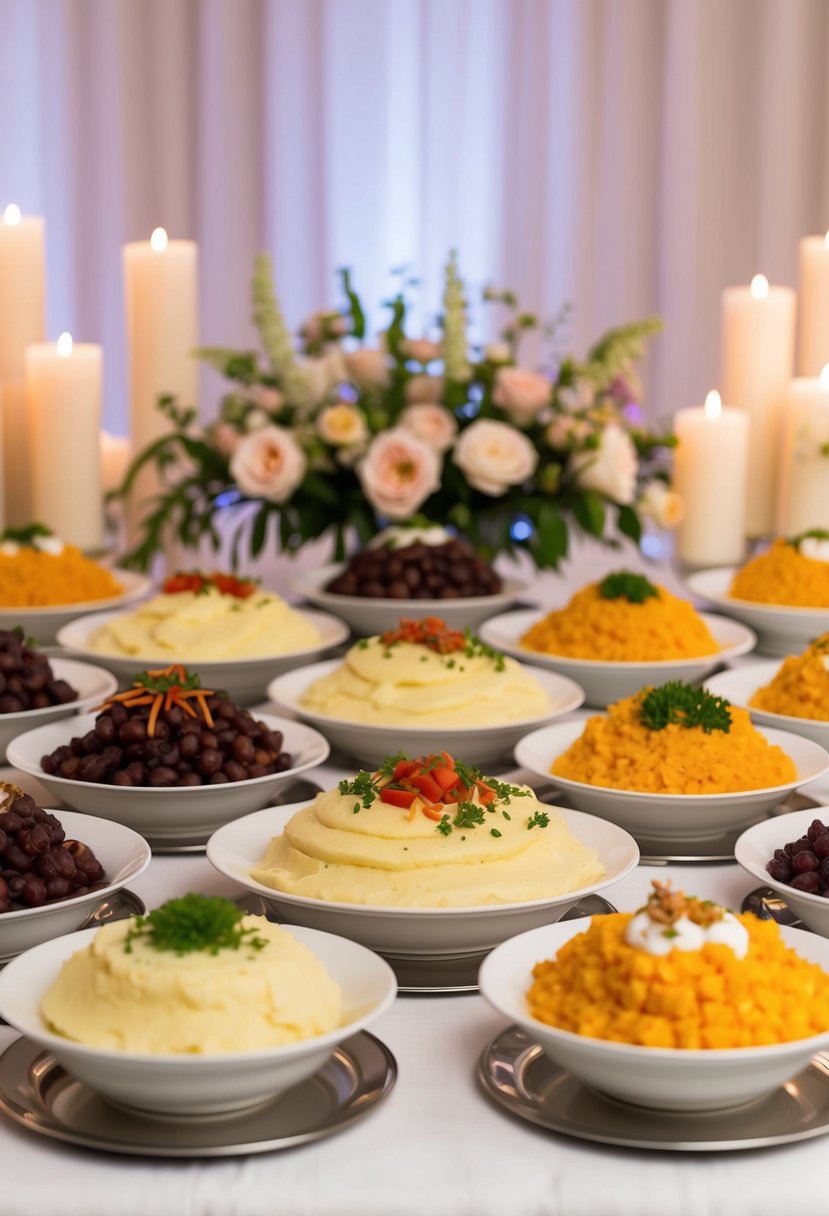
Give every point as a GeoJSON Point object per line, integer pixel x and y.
{"type": "Point", "coordinates": [436, 1144]}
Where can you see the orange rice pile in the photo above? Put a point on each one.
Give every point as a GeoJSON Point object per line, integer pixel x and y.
{"type": "Point", "coordinates": [619, 751]}
{"type": "Point", "coordinates": [34, 579]}
{"type": "Point", "coordinates": [782, 575]}
{"type": "Point", "coordinates": [615, 630]}
{"type": "Point", "coordinates": [801, 686]}
{"type": "Point", "coordinates": [599, 985]}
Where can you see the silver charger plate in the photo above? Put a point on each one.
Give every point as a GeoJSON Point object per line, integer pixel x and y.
{"type": "Point", "coordinates": [39, 1095]}
{"type": "Point", "coordinates": [515, 1073]}
{"type": "Point", "coordinates": [435, 974]}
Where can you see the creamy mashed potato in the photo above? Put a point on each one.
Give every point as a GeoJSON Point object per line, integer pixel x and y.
{"type": "Point", "coordinates": [407, 684]}
{"type": "Point", "coordinates": [206, 625]}
{"type": "Point", "coordinates": [157, 1001]}
{"type": "Point", "coordinates": [381, 857]}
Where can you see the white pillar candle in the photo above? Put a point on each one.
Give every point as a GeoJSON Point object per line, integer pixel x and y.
{"type": "Point", "coordinates": [710, 462]}
{"type": "Point", "coordinates": [758, 330]}
{"type": "Point", "coordinates": [804, 481]}
{"type": "Point", "coordinates": [161, 292]}
{"type": "Point", "coordinates": [63, 391]}
{"type": "Point", "coordinates": [115, 457]}
{"type": "Point", "coordinates": [813, 327]}
{"type": "Point", "coordinates": [22, 322]}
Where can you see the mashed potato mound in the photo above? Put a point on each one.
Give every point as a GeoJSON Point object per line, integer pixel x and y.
{"type": "Point", "coordinates": [783, 575]}
{"type": "Point", "coordinates": [619, 751]}
{"type": "Point", "coordinates": [801, 686]}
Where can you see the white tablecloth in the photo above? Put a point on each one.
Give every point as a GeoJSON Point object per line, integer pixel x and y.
{"type": "Point", "coordinates": [437, 1146]}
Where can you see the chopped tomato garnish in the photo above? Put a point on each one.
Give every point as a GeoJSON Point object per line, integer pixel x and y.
{"type": "Point", "coordinates": [427, 785]}
{"type": "Point", "coordinates": [394, 797]}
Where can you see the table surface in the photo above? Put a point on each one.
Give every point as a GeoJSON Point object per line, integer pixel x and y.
{"type": "Point", "coordinates": [436, 1145]}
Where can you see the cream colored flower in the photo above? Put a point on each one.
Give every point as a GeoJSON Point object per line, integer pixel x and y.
{"type": "Point", "coordinates": [343, 425]}
{"type": "Point", "coordinates": [422, 350]}
{"type": "Point", "coordinates": [521, 393]}
{"type": "Point", "coordinates": [661, 504]}
{"type": "Point", "coordinates": [497, 352]}
{"type": "Point", "coordinates": [268, 463]}
{"type": "Point", "coordinates": [431, 423]}
{"type": "Point", "coordinates": [225, 438]}
{"type": "Point", "coordinates": [265, 396]}
{"type": "Point", "coordinates": [611, 468]}
{"type": "Point", "coordinates": [565, 432]}
{"type": "Point", "coordinates": [494, 456]}
{"type": "Point", "coordinates": [424, 389]}
{"type": "Point", "coordinates": [323, 373]}
{"type": "Point", "coordinates": [367, 367]}
{"type": "Point", "coordinates": [398, 473]}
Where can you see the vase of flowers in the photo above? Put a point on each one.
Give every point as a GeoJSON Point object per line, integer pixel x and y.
{"type": "Point", "coordinates": [328, 434]}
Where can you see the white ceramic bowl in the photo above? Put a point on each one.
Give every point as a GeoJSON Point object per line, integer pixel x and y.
{"type": "Point", "coordinates": [368, 617]}
{"type": "Point", "coordinates": [666, 1078]}
{"type": "Point", "coordinates": [42, 624]}
{"type": "Point", "coordinates": [188, 1086]}
{"type": "Point", "coordinates": [243, 679]}
{"type": "Point", "coordinates": [238, 847]}
{"type": "Point", "coordinates": [671, 817]}
{"type": "Point", "coordinates": [604, 682]}
{"type": "Point", "coordinates": [372, 743]}
{"type": "Point", "coordinates": [740, 685]}
{"type": "Point", "coordinates": [123, 854]}
{"type": "Point", "coordinates": [780, 630]}
{"type": "Point", "coordinates": [756, 846]}
{"type": "Point", "coordinates": [169, 818]}
{"type": "Point", "coordinates": [92, 684]}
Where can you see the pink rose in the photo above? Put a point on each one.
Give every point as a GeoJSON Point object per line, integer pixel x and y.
{"type": "Point", "coordinates": [367, 367]}
{"type": "Point", "coordinates": [265, 397]}
{"type": "Point", "coordinates": [611, 468]}
{"type": "Point", "coordinates": [422, 350]}
{"type": "Point", "coordinates": [268, 463]}
{"type": "Point", "coordinates": [424, 388]}
{"type": "Point", "coordinates": [494, 455]}
{"type": "Point", "coordinates": [398, 473]}
{"type": "Point", "coordinates": [521, 393]}
{"type": "Point", "coordinates": [431, 423]}
{"type": "Point", "coordinates": [225, 438]}
{"type": "Point", "coordinates": [567, 432]}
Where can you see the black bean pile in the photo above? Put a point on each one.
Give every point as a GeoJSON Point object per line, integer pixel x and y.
{"type": "Point", "coordinates": [181, 751]}
{"type": "Point", "coordinates": [26, 677]}
{"type": "Point", "coordinates": [38, 865]}
{"type": "Point", "coordinates": [417, 572]}
{"type": "Point", "coordinates": [804, 863]}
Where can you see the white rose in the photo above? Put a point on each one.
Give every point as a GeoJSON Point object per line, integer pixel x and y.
{"type": "Point", "coordinates": [611, 468]}
{"type": "Point", "coordinates": [431, 423]}
{"type": "Point", "coordinates": [255, 420]}
{"type": "Point", "coordinates": [343, 425]}
{"type": "Point", "coordinates": [661, 504]}
{"type": "Point", "coordinates": [424, 389]}
{"type": "Point", "coordinates": [268, 463]}
{"type": "Point", "coordinates": [422, 350]}
{"type": "Point", "coordinates": [398, 473]}
{"type": "Point", "coordinates": [367, 367]}
{"type": "Point", "coordinates": [578, 396]}
{"type": "Point", "coordinates": [521, 393]}
{"type": "Point", "coordinates": [323, 373]}
{"type": "Point", "coordinates": [494, 455]}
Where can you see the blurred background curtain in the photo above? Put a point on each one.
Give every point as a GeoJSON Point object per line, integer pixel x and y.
{"type": "Point", "coordinates": [629, 157]}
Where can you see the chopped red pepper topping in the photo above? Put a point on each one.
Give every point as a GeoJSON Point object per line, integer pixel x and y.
{"type": "Point", "coordinates": [196, 581]}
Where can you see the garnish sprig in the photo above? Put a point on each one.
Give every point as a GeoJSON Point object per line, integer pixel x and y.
{"type": "Point", "coordinates": [684, 705]}
{"type": "Point", "coordinates": [624, 584]}
{"type": "Point", "coordinates": [192, 924]}
{"type": "Point", "coordinates": [811, 534]}
{"type": "Point", "coordinates": [161, 689]}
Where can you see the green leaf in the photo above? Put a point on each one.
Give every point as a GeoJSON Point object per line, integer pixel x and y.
{"type": "Point", "coordinates": [589, 510]}
{"type": "Point", "coordinates": [358, 319]}
{"type": "Point", "coordinates": [259, 532]}
{"type": "Point", "coordinates": [551, 533]}
{"type": "Point", "coordinates": [629, 524]}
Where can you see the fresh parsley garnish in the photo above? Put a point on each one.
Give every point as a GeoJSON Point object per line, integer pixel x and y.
{"type": "Point", "coordinates": [444, 827]}
{"type": "Point", "coordinates": [468, 815]}
{"type": "Point", "coordinates": [194, 923]}
{"type": "Point", "coordinates": [494, 832]}
{"type": "Point", "coordinates": [811, 534]}
{"type": "Point", "coordinates": [540, 819]}
{"type": "Point", "coordinates": [686, 705]}
{"type": "Point", "coordinates": [634, 588]}
{"type": "Point", "coordinates": [365, 786]}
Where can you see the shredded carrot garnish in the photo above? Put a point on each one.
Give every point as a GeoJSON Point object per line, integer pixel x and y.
{"type": "Point", "coordinates": [163, 688]}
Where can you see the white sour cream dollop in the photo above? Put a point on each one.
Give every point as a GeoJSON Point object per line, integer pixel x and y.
{"type": "Point", "coordinates": [399, 538]}
{"type": "Point", "coordinates": [49, 544]}
{"type": "Point", "coordinates": [817, 550]}
{"type": "Point", "coordinates": [684, 934]}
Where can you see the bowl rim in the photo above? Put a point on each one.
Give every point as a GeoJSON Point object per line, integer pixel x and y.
{"type": "Point", "coordinates": [759, 872]}
{"type": "Point", "coordinates": [793, 611]}
{"type": "Point", "coordinates": [781, 737]}
{"type": "Point", "coordinates": [109, 684]}
{"type": "Point", "coordinates": [140, 584]}
{"type": "Point", "coordinates": [793, 725]}
{"type": "Point", "coordinates": [575, 692]}
{"type": "Point", "coordinates": [630, 666]}
{"type": "Point", "coordinates": [479, 911]}
{"type": "Point", "coordinates": [340, 632]}
{"type": "Point", "coordinates": [76, 901]}
{"type": "Point", "coordinates": [309, 583]}
{"type": "Point", "coordinates": [192, 791]}
{"type": "Point", "coordinates": [638, 1051]}
{"type": "Point", "coordinates": [331, 1038]}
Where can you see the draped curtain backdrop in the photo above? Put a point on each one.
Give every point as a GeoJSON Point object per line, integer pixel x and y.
{"type": "Point", "coordinates": [628, 157]}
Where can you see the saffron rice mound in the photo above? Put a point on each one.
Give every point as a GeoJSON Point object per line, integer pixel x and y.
{"type": "Point", "coordinates": [615, 630]}
{"type": "Point", "coordinates": [600, 986]}
{"type": "Point", "coordinates": [34, 579]}
{"type": "Point", "coordinates": [801, 686]}
{"type": "Point", "coordinates": [620, 752]}
{"type": "Point", "coordinates": [782, 575]}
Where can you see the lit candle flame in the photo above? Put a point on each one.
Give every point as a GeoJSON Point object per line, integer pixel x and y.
{"type": "Point", "coordinates": [64, 345]}
{"type": "Point", "coordinates": [158, 240]}
{"type": "Point", "coordinates": [823, 378]}
{"type": "Point", "coordinates": [11, 215]}
{"type": "Point", "coordinates": [713, 404]}
{"type": "Point", "coordinates": [760, 287]}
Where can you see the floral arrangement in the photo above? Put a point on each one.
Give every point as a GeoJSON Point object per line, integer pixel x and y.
{"type": "Point", "coordinates": [330, 434]}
